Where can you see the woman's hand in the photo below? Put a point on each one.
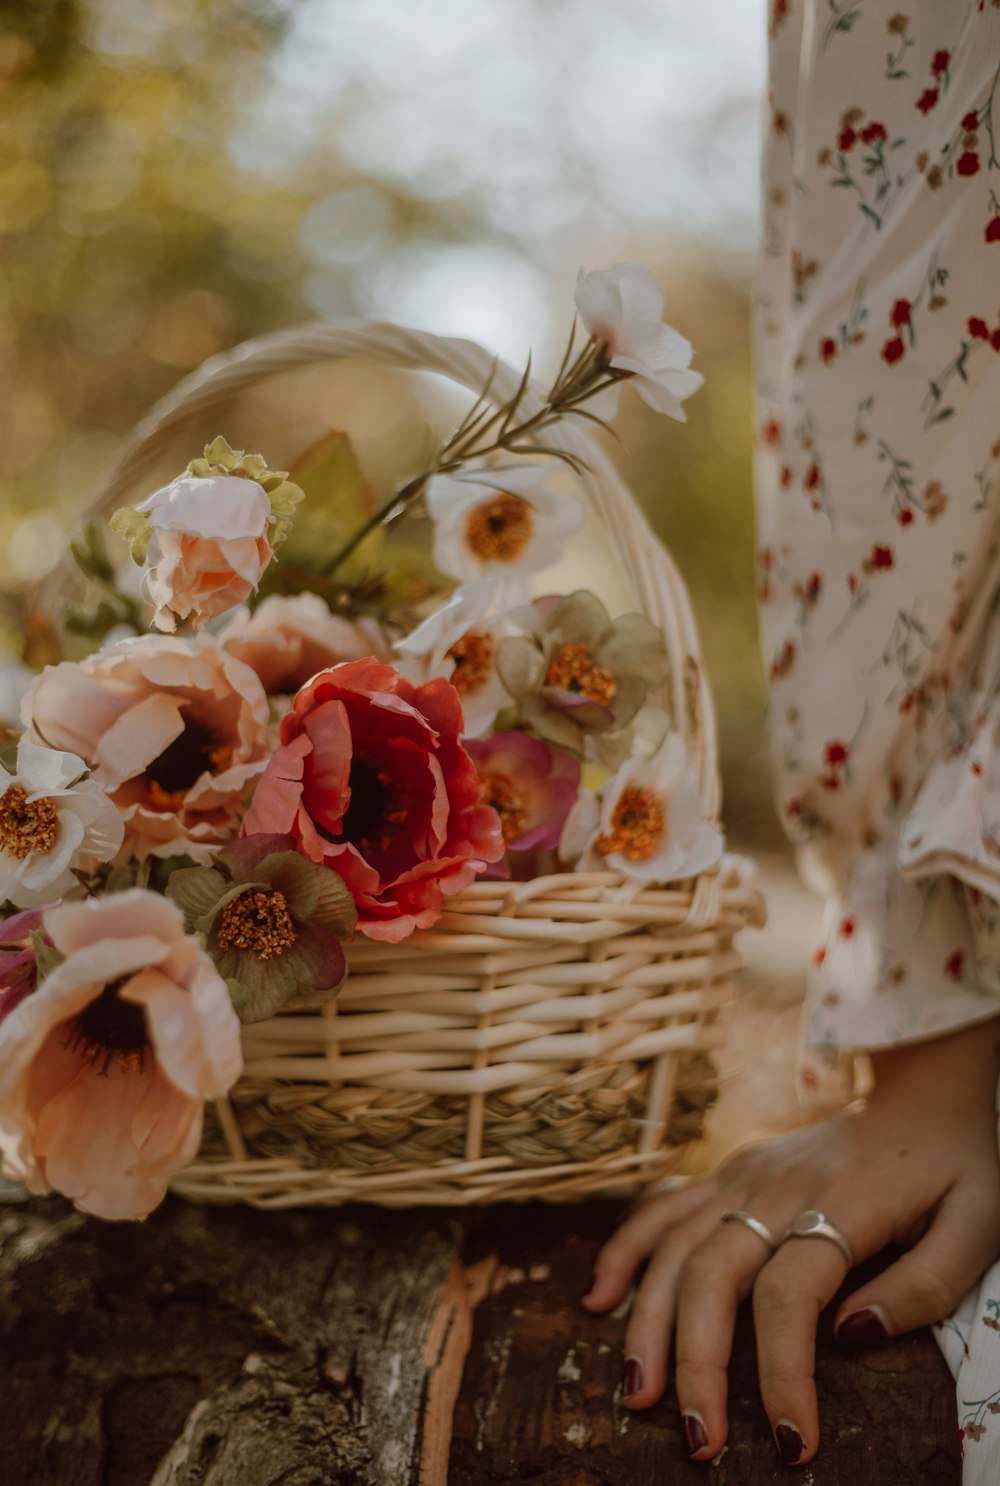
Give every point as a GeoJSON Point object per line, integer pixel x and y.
{"type": "Point", "coordinates": [919, 1159]}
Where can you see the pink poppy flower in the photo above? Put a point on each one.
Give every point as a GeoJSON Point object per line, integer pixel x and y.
{"type": "Point", "coordinates": [372, 779]}
{"type": "Point", "coordinates": [289, 638]}
{"type": "Point", "coordinates": [173, 729]}
{"type": "Point", "coordinates": [105, 1067]}
{"type": "Point", "coordinates": [531, 784]}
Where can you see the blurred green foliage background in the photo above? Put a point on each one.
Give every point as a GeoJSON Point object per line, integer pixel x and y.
{"type": "Point", "coordinates": [179, 176]}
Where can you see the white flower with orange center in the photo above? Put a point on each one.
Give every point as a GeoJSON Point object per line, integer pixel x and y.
{"type": "Point", "coordinates": [174, 731]}
{"type": "Point", "coordinates": [622, 308]}
{"type": "Point", "coordinates": [499, 523]}
{"type": "Point", "coordinates": [105, 1066]}
{"type": "Point", "coordinates": [460, 641]}
{"type": "Point", "coordinates": [52, 820]}
{"type": "Point", "coordinates": [648, 822]}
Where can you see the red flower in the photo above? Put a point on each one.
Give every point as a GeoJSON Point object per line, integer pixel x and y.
{"type": "Point", "coordinates": [873, 132]}
{"type": "Point", "coordinates": [813, 585]}
{"type": "Point", "coordinates": [371, 779]}
{"type": "Point", "coordinates": [978, 329]}
{"type": "Point", "coordinates": [953, 964]}
{"type": "Point", "coordinates": [846, 930]}
{"type": "Point", "coordinates": [970, 122]}
{"type": "Point", "coordinates": [905, 517]}
{"type": "Point", "coordinates": [893, 350]}
{"type": "Point", "coordinates": [846, 138]}
{"type": "Point", "coordinates": [771, 432]}
{"type": "Point", "coordinates": [927, 100]}
{"type": "Point", "coordinates": [813, 476]}
{"type": "Point", "coordinates": [967, 163]}
{"type": "Point", "coordinates": [901, 312]}
{"type": "Point", "coordinates": [881, 558]}
{"type": "Point", "coordinates": [939, 63]}
{"type": "Point", "coordinates": [976, 767]}
{"type": "Point", "coordinates": [995, 339]}
{"type": "Point", "coordinates": [992, 233]}
{"type": "Point", "coordinates": [836, 754]}
{"type": "Point", "coordinates": [532, 785]}
{"type": "Point", "coordinates": [827, 349]}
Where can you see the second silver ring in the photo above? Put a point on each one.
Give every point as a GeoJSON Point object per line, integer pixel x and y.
{"type": "Point", "coordinates": [748, 1220]}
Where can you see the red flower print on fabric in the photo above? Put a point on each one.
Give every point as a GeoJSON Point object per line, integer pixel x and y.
{"type": "Point", "coordinates": [954, 964]}
{"type": "Point", "coordinates": [846, 930]}
{"type": "Point", "coordinates": [893, 350]}
{"type": "Point", "coordinates": [827, 349]}
{"type": "Point", "coordinates": [967, 163]}
{"type": "Point", "coordinates": [836, 754]}
{"type": "Point", "coordinates": [880, 561]}
{"type": "Point", "coordinates": [901, 312]}
{"type": "Point", "coordinates": [970, 122]}
{"type": "Point", "coordinates": [927, 100]}
{"type": "Point", "coordinates": [939, 63]}
{"type": "Point", "coordinates": [873, 132]}
{"type": "Point", "coordinates": [978, 329]}
{"type": "Point", "coordinates": [992, 233]}
{"type": "Point", "coordinates": [846, 139]}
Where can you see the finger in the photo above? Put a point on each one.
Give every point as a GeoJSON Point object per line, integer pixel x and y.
{"type": "Point", "coordinates": [647, 1336]}
{"type": "Point", "coordinates": [631, 1244]}
{"type": "Point", "coordinates": [714, 1281]}
{"type": "Point", "coordinates": [788, 1296]}
{"type": "Point", "coordinates": [929, 1281]}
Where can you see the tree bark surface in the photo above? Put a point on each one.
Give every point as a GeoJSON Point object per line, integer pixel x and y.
{"type": "Point", "coordinates": [229, 1347]}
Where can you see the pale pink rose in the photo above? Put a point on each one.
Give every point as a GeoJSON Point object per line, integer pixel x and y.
{"type": "Point", "coordinates": [288, 639]}
{"type": "Point", "coordinates": [175, 730]}
{"type": "Point", "coordinates": [209, 546]}
{"type": "Point", "coordinates": [105, 1067]}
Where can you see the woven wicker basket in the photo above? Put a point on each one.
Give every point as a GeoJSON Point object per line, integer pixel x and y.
{"type": "Point", "coordinates": [546, 1039]}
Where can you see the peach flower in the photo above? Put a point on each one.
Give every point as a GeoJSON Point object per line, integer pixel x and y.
{"type": "Point", "coordinates": [105, 1067]}
{"type": "Point", "coordinates": [288, 639]}
{"type": "Point", "coordinates": [173, 729]}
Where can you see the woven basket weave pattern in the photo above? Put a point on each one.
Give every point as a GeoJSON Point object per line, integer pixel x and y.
{"type": "Point", "coordinates": [548, 1038]}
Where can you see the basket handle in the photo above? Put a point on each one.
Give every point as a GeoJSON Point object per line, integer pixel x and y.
{"type": "Point", "coordinates": [657, 582]}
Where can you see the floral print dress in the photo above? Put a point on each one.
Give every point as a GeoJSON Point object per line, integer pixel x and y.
{"type": "Point", "coordinates": [878, 478]}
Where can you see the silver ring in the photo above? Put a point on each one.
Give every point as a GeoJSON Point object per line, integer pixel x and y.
{"type": "Point", "coordinates": [812, 1224]}
{"type": "Point", "coordinates": [754, 1224]}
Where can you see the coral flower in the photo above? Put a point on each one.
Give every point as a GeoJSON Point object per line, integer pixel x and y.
{"type": "Point", "coordinates": [105, 1067]}
{"type": "Point", "coordinates": [52, 821]}
{"type": "Point", "coordinates": [206, 538]}
{"type": "Point", "coordinates": [622, 308]}
{"type": "Point", "coordinates": [173, 729]}
{"type": "Point", "coordinates": [648, 823]}
{"type": "Point", "coordinates": [289, 638]}
{"type": "Point", "coordinates": [372, 779]}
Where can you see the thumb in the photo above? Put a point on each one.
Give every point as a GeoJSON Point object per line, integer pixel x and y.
{"type": "Point", "coordinates": [927, 1283]}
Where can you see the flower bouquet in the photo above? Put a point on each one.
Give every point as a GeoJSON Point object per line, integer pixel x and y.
{"type": "Point", "coordinates": [406, 867]}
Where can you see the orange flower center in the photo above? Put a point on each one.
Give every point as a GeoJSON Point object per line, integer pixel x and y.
{"type": "Point", "coordinates": [109, 1029]}
{"type": "Point", "coordinates": [24, 826]}
{"type": "Point", "coordinates": [636, 826]}
{"type": "Point", "coordinates": [259, 922]}
{"type": "Point", "coordinates": [507, 799]}
{"type": "Point", "coordinates": [473, 655]}
{"type": "Point", "coordinates": [500, 529]}
{"type": "Point", "coordinates": [573, 668]}
{"type": "Point", "coordinates": [194, 753]}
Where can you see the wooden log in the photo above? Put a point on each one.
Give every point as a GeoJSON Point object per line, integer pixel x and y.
{"type": "Point", "coordinates": [228, 1347]}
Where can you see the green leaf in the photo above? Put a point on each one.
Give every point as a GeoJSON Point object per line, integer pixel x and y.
{"type": "Point", "coordinates": [47, 957]}
{"type": "Point", "coordinates": [338, 500]}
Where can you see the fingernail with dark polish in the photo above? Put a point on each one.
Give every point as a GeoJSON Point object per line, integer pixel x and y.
{"type": "Point", "coordinates": [591, 1287]}
{"type": "Point", "coordinates": [790, 1442]}
{"type": "Point", "coordinates": [633, 1377]}
{"type": "Point", "coordinates": [864, 1328]}
{"type": "Point", "coordinates": [694, 1428]}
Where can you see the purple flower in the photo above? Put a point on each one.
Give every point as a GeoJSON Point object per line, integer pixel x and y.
{"type": "Point", "coordinates": [18, 968]}
{"type": "Point", "coordinates": [531, 784]}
